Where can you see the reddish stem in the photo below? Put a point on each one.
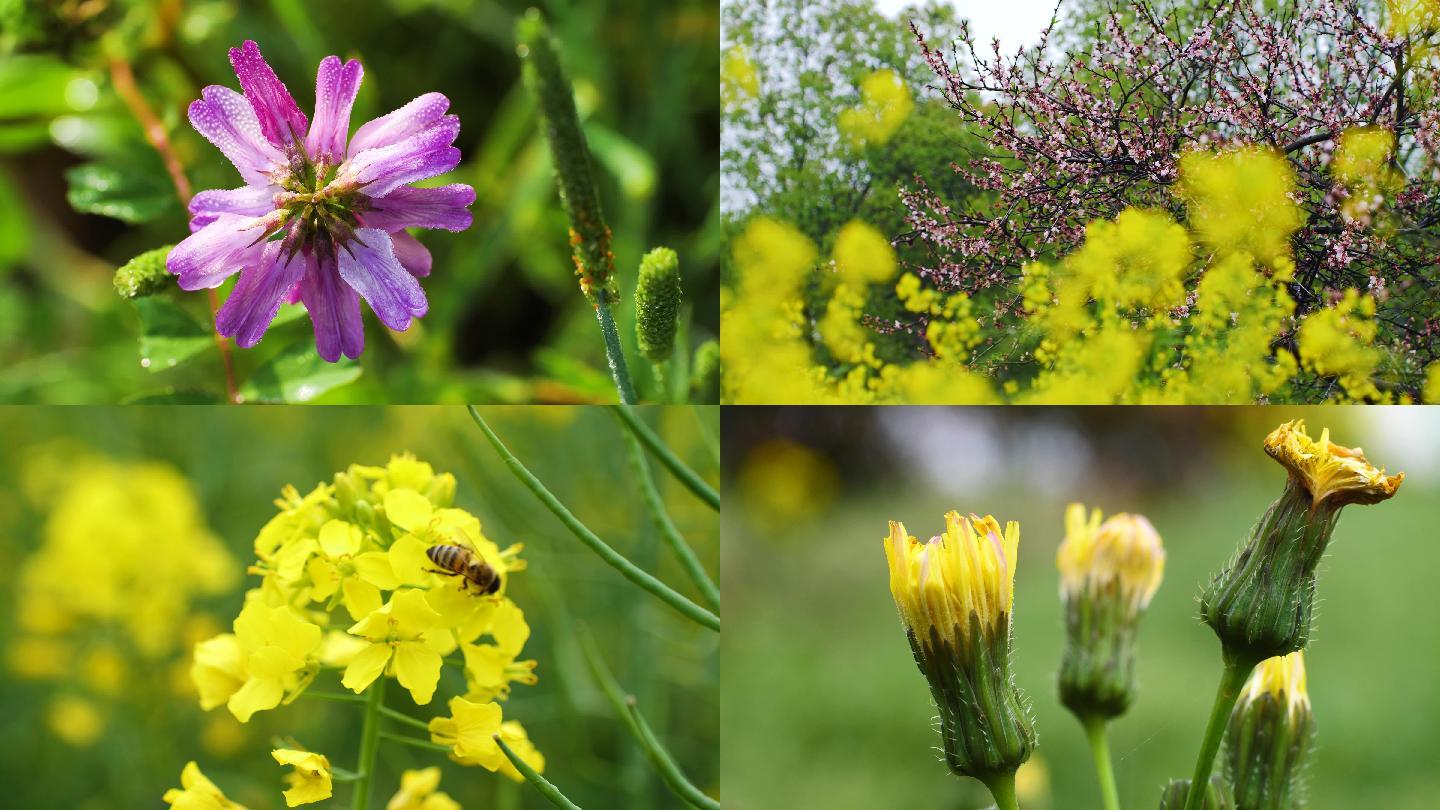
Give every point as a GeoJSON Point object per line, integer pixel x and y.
{"type": "Point", "coordinates": [124, 80]}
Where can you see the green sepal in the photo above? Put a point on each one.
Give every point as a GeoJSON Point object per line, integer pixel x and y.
{"type": "Point", "coordinates": [1265, 750]}
{"type": "Point", "coordinates": [1097, 671]}
{"type": "Point", "coordinates": [1217, 795]}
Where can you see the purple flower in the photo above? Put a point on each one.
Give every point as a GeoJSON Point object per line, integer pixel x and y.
{"type": "Point", "coordinates": [318, 220]}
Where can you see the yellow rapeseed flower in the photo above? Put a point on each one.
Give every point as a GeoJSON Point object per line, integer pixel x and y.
{"type": "Point", "coordinates": [1329, 473]}
{"type": "Point", "coordinates": [885, 103]}
{"type": "Point", "coordinates": [197, 792]}
{"type": "Point", "coordinates": [418, 791]}
{"type": "Point", "coordinates": [310, 781]}
{"type": "Point", "coordinates": [400, 631]}
{"type": "Point", "coordinates": [75, 720]}
{"type": "Point", "coordinates": [519, 743]}
{"type": "Point", "coordinates": [470, 732]}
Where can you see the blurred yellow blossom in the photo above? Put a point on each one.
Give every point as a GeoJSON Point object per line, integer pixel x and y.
{"type": "Point", "coordinates": [418, 791]}
{"type": "Point", "coordinates": [739, 81]}
{"type": "Point", "coordinates": [783, 481]}
{"type": "Point", "coordinates": [1239, 200]}
{"type": "Point", "coordinates": [75, 720]}
{"type": "Point", "coordinates": [310, 781]}
{"type": "Point", "coordinates": [197, 792]}
{"type": "Point", "coordinates": [863, 254]}
{"type": "Point", "coordinates": [885, 103]}
{"type": "Point", "coordinates": [1336, 342]}
{"type": "Point", "coordinates": [519, 743]}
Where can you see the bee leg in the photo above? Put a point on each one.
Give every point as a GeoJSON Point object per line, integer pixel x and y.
{"type": "Point", "coordinates": [438, 571]}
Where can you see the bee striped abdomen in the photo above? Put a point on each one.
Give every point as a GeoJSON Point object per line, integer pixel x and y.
{"type": "Point", "coordinates": [462, 562]}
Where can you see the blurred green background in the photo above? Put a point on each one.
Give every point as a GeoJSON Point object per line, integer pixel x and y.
{"type": "Point", "coordinates": [238, 459]}
{"type": "Point", "coordinates": [824, 706]}
{"type": "Point", "coordinates": [507, 322]}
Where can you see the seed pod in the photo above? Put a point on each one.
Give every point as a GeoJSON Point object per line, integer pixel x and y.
{"type": "Point", "coordinates": [657, 304]}
{"type": "Point", "coordinates": [1108, 574]}
{"type": "Point", "coordinates": [1260, 605]}
{"type": "Point", "coordinates": [955, 596]}
{"type": "Point", "coordinates": [1269, 736]}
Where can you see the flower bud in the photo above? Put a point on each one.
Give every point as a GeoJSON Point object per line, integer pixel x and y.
{"type": "Point", "coordinates": [705, 374]}
{"type": "Point", "coordinates": [1108, 574]}
{"type": "Point", "coordinates": [1217, 795]}
{"type": "Point", "coordinates": [144, 275]}
{"type": "Point", "coordinates": [955, 594]}
{"type": "Point", "coordinates": [1260, 604]}
{"type": "Point", "coordinates": [1269, 736]}
{"type": "Point", "coordinates": [657, 304]}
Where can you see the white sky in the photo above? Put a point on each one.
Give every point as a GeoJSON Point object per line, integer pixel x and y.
{"type": "Point", "coordinates": [1015, 22]}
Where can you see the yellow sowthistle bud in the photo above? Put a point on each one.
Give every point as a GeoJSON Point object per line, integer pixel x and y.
{"type": "Point", "coordinates": [1260, 604]}
{"type": "Point", "coordinates": [1177, 793]}
{"type": "Point", "coordinates": [1269, 735]}
{"type": "Point", "coordinates": [955, 594]}
{"type": "Point", "coordinates": [1108, 574]}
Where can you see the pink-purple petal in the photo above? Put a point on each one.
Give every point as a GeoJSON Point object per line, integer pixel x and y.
{"type": "Point", "coordinates": [417, 116]}
{"type": "Point", "coordinates": [226, 119]}
{"type": "Point", "coordinates": [212, 254]}
{"type": "Point", "coordinates": [412, 255]}
{"type": "Point", "coordinates": [335, 89]}
{"type": "Point", "coordinates": [334, 312]}
{"type": "Point", "coordinates": [369, 266]}
{"type": "Point", "coordinates": [257, 296]}
{"type": "Point", "coordinates": [281, 121]}
{"type": "Point", "coordinates": [250, 201]}
{"type": "Point", "coordinates": [407, 207]}
{"type": "Point", "coordinates": [418, 157]}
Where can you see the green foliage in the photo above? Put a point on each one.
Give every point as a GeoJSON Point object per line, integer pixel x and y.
{"type": "Point", "coordinates": [297, 374]}
{"type": "Point", "coordinates": [144, 275]}
{"type": "Point", "coordinates": [168, 334]}
{"type": "Point", "coordinates": [125, 193]}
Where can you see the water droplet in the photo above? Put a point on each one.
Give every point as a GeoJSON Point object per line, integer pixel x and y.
{"type": "Point", "coordinates": [144, 362]}
{"type": "Point", "coordinates": [81, 94]}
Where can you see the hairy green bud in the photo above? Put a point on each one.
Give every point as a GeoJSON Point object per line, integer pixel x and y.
{"type": "Point", "coordinates": [1217, 795]}
{"type": "Point", "coordinates": [144, 275]}
{"type": "Point", "coordinates": [705, 374]}
{"type": "Point", "coordinates": [657, 304]}
{"type": "Point", "coordinates": [1269, 736]}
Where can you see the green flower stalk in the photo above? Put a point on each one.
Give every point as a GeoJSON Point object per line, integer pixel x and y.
{"type": "Point", "coordinates": [1269, 736]}
{"type": "Point", "coordinates": [1261, 604]}
{"type": "Point", "coordinates": [589, 235]}
{"type": "Point", "coordinates": [1108, 574]}
{"type": "Point", "coordinates": [657, 304]}
{"type": "Point", "coordinates": [955, 594]}
{"type": "Point", "coordinates": [1216, 796]}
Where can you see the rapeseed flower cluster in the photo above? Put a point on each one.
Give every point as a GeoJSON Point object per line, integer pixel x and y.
{"type": "Point", "coordinates": [346, 583]}
{"type": "Point", "coordinates": [1146, 310]}
{"type": "Point", "coordinates": [110, 595]}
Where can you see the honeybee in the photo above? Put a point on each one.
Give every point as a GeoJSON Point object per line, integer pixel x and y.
{"type": "Point", "coordinates": [458, 561]}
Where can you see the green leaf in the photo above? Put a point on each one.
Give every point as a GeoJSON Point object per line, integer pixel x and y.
{"type": "Point", "coordinates": [36, 85]}
{"type": "Point", "coordinates": [624, 159]}
{"type": "Point", "coordinates": [297, 374]}
{"type": "Point", "coordinates": [123, 193]}
{"type": "Point", "coordinates": [168, 335]}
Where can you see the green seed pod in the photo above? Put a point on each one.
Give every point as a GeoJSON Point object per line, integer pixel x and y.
{"type": "Point", "coordinates": [144, 275]}
{"type": "Point", "coordinates": [1108, 574]}
{"type": "Point", "coordinates": [657, 304]}
{"type": "Point", "coordinates": [1260, 605]}
{"type": "Point", "coordinates": [705, 374]}
{"type": "Point", "coordinates": [1269, 736]}
{"type": "Point", "coordinates": [1217, 795]}
{"type": "Point", "coordinates": [955, 596]}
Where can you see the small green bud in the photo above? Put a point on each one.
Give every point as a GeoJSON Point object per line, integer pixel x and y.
{"type": "Point", "coordinates": [1217, 795]}
{"type": "Point", "coordinates": [705, 374]}
{"type": "Point", "coordinates": [144, 275]}
{"type": "Point", "coordinates": [1260, 605]}
{"type": "Point", "coordinates": [657, 304]}
{"type": "Point", "coordinates": [1269, 736]}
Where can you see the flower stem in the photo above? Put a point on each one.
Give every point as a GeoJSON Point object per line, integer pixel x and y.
{"type": "Point", "coordinates": [541, 784]}
{"type": "Point", "coordinates": [426, 744]}
{"type": "Point", "coordinates": [369, 744]}
{"type": "Point", "coordinates": [614, 558]}
{"type": "Point", "coordinates": [1100, 749]}
{"type": "Point", "coordinates": [1233, 678]}
{"type": "Point", "coordinates": [1002, 787]}
{"type": "Point", "coordinates": [123, 78]}
{"type": "Point", "coordinates": [404, 718]}
{"type": "Point", "coordinates": [668, 530]}
{"type": "Point", "coordinates": [677, 468]}
{"type": "Point", "coordinates": [614, 353]}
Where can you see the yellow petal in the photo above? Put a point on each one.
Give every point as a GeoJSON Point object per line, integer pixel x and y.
{"type": "Point", "coordinates": [408, 560]}
{"type": "Point", "coordinates": [509, 627]}
{"type": "Point", "coordinates": [311, 781]}
{"type": "Point", "coordinates": [366, 667]}
{"type": "Point", "coordinates": [408, 509]}
{"type": "Point", "coordinates": [324, 578]}
{"type": "Point", "coordinates": [417, 667]}
{"type": "Point", "coordinates": [340, 539]}
{"type": "Point", "coordinates": [361, 598]}
{"type": "Point", "coordinates": [374, 567]}
{"type": "Point", "coordinates": [414, 614]}
{"type": "Point", "coordinates": [218, 669]}
{"type": "Point", "coordinates": [273, 662]}
{"type": "Point", "coordinates": [257, 695]}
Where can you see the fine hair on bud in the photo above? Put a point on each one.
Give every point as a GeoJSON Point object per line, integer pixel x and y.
{"type": "Point", "coordinates": [1217, 795]}
{"type": "Point", "coordinates": [1269, 736]}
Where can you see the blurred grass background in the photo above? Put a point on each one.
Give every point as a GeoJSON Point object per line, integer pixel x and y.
{"type": "Point", "coordinates": [507, 322]}
{"type": "Point", "coordinates": [238, 459]}
{"type": "Point", "coordinates": [824, 706]}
